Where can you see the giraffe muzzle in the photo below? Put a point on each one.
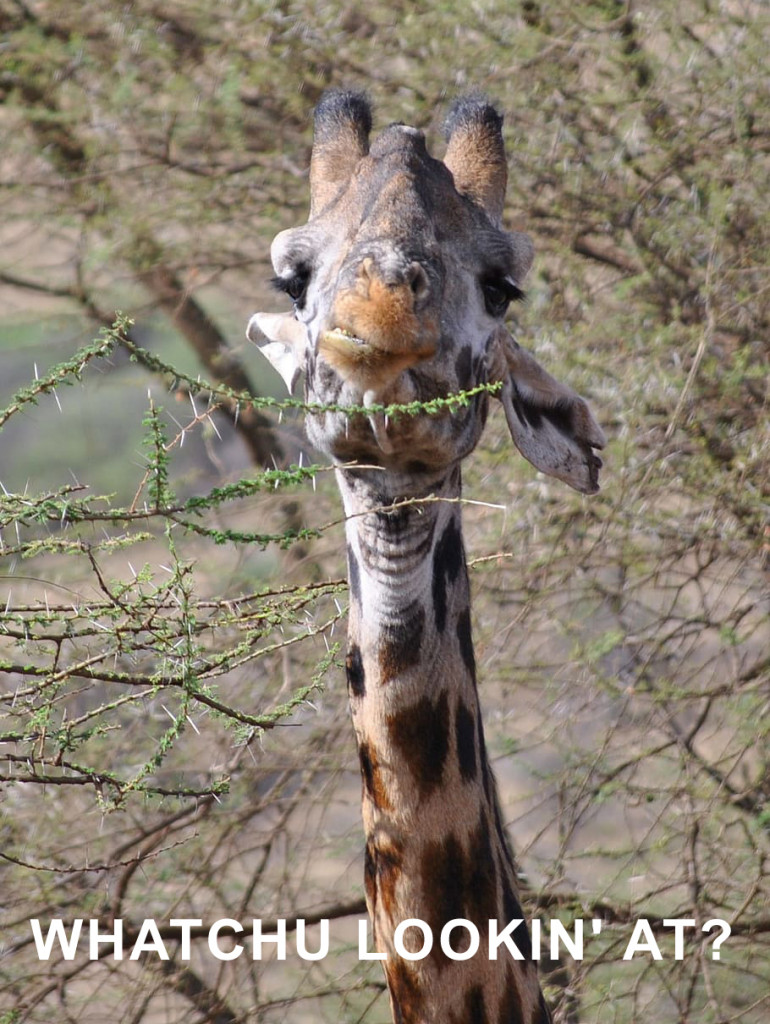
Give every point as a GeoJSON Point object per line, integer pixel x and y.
{"type": "Point", "coordinates": [380, 326]}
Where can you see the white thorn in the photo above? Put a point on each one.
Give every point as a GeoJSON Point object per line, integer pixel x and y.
{"type": "Point", "coordinates": [214, 426]}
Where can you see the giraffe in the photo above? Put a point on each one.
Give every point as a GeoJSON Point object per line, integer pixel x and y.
{"type": "Point", "coordinates": [400, 281]}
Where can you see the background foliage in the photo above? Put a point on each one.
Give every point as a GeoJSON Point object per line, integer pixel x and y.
{"type": "Point", "coordinates": [173, 731]}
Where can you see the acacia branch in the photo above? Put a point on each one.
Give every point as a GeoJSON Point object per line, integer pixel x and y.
{"type": "Point", "coordinates": [69, 156]}
{"type": "Point", "coordinates": [220, 361]}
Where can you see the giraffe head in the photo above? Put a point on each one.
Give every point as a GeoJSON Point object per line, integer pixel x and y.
{"type": "Point", "coordinates": [400, 281]}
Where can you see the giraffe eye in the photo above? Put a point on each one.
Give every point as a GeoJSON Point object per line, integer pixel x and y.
{"type": "Point", "coordinates": [294, 284]}
{"type": "Point", "coordinates": [498, 293]}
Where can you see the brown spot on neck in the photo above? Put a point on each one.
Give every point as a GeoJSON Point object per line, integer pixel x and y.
{"type": "Point", "coordinates": [448, 563]}
{"type": "Point", "coordinates": [400, 643]}
{"type": "Point", "coordinates": [354, 672]}
{"type": "Point", "coordinates": [420, 734]}
{"type": "Point", "coordinates": [405, 996]}
{"type": "Point", "coordinates": [510, 1007]}
{"type": "Point", "coordinates": [465, 738]}
{"type": "Point", "coordinates": [384, 865]}
{"type": "Point", "coordinates": [371, 775]}
{"type": "Point", "coordinates": [474, 1010]}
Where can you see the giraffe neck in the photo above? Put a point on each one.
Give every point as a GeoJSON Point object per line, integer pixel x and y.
{"type": "Point", "coordinates": [435, 846]}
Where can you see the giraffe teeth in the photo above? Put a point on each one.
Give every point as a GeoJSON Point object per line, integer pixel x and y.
{"type": "Point", "coordinates": [379, 425]}
{"type": "Point", "coordinates": [339, 339]}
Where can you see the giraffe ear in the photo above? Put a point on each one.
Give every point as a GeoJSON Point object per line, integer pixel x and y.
{"type": "Point", "coordinates": [341, 129]}
{"type": "Point", "coordinates": [475, 153]}
{"type": "Point", "coordinates": [287, 343]}
{"type": "Point", "coordinates": [550, 424]}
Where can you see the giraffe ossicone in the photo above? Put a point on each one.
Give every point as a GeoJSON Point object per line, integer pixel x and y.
{"type": "Point", "coordinates": [400, 282]}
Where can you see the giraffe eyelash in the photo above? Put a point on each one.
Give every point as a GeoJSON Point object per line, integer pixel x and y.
{"type": "Point", "coordinates": [499, 291]}
{"type": "Point", "coordinates": [295, 284]}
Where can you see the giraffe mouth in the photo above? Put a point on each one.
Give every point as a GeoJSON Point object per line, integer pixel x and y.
{"type": "Point", "coordinates": [340, 344]}
{"type": "Point", "coordinates": [370, 366]}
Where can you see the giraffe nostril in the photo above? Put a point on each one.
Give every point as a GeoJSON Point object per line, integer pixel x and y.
{"type": "Point", "coordinates": [417, 279]}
